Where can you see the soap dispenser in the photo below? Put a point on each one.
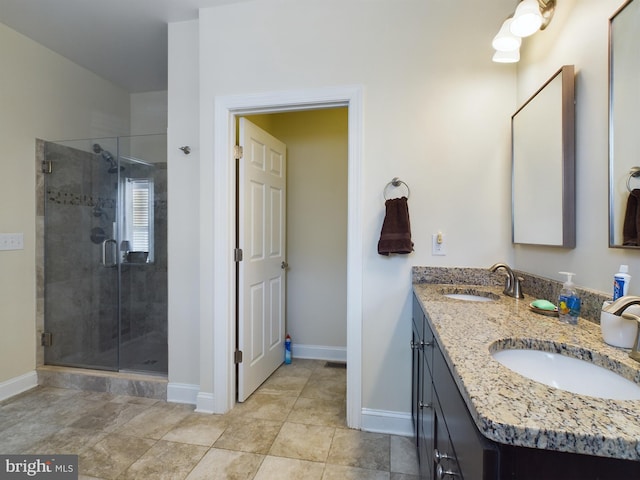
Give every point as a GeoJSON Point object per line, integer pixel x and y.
{"type": "Point", "coordinates": [568, 301]}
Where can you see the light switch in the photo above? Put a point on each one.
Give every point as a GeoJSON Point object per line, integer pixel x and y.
{"type": "Point", "coordinates": [438, 244]}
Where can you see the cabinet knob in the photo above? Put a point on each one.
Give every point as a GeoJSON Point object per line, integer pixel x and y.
{"type": "Point", "coordinates": [438, 455]}
{"type": "Point", "coordinates": [441, 473]}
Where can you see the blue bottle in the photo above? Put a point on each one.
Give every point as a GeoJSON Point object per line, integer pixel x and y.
{"type": "Point", "coordinates": [568, 302]}
{"type": "Point", "coordinates": [287, 349]}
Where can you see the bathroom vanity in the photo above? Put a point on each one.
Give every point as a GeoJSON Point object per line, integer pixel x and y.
{"type": "Point", "coordinates": [476, 419]}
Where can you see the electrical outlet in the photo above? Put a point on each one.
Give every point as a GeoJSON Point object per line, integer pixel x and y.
{"type": "Point", "coordinates": [438, 246]}
{"type": "Point", "coordinates": [11, 241]}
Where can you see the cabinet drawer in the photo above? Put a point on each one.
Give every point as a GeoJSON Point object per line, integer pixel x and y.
{"type": "Point", "coordinates": [418, 319]}
{"type": "Point", "coordinates": [478, 458]}
{"type": "Point", "coordinates": [428, 345]}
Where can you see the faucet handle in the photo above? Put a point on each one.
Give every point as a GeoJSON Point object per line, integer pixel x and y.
{"type": "Point", "coordinates": [516, 289]}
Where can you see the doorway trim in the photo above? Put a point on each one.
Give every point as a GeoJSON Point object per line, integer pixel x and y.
{"type": "Point", "coordinates": [217, 307]}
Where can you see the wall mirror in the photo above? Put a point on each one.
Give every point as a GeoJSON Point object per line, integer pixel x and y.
{"type": "Point", "coordinates": [624, 140]}
{"type": "Point", "coordinates": [543, 165]}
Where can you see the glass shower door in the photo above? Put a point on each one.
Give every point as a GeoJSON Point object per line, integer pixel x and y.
{"type": "Point", "coordinates": [82, 253]}
{"type": "Point", "coordinates": [143, 269]}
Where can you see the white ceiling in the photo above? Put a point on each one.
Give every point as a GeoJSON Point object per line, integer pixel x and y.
{"type": "Point", "coordinates": [124, 41]}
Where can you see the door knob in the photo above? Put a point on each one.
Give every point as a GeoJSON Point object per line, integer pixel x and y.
{"type": "Point", "coordinates": [284, 265]}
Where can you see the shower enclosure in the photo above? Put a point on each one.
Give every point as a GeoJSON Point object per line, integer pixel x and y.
{"type": "Point", "coordinates": [105, 254]}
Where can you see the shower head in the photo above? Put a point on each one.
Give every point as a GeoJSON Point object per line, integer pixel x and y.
{"type": "Point", "coordinates": [107, 157]}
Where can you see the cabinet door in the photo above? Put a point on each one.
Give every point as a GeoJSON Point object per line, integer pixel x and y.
{"type": "Point", "coordinates": [427, 424]}
{"type": "Point", "coordinates": [416, 379]}
{"type": "Point", "coordinates": [416, 364]}
{"type": "Point", "coordinates": [445, 464]}
{"type": "Point", "coordinates": [478, 457]}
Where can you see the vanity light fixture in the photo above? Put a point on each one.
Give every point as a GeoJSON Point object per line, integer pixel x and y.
{"type": "Point", "coordinates": [506, 57]}
{"type": "Point", "coordinates": [529, 17]}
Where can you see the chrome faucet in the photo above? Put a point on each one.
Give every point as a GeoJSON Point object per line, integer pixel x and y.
{"type": "Point", "coordinates": [620, 305]}
{"type": "Point", "coordinates": [617, 308]}
{"type": "Point", "coordinates": [512, 284]}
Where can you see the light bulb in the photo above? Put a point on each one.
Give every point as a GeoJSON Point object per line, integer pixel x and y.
{"type": "Point", "coordinates": [505, 41]}
{"type": "Point", "coordinates": [506, 57]}
{"type": "Point", "coordinates": [527, 19]}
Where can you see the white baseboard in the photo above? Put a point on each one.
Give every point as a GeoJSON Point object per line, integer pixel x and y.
{"type": "Point", "coordinates": [205, 403]}
{"type": "Point", "coordinates": [382, 421]}
{"type": "Point", "coordinates": [182, 393]}
{"type": "Point", "coordinates": [17, 385]}
{"type": "Point", "coordinates": [319, 352]}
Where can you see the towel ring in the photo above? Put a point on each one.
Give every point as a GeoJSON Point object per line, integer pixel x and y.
{"type": "Point", "coordinates": [396, 182]}
{"type": "Point", "coordinates": [633, 173]}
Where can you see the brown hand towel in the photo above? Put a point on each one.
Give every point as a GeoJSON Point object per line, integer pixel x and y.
{"type": "Point", "coordinates": [631, 226]}
{"type": "Point", "coordinates": [395, 236]}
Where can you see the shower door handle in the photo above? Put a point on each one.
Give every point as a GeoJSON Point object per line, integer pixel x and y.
{"type": "Point", "coordinates": [114, 258]}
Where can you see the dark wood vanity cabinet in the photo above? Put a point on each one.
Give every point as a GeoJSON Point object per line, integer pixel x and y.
{"type": "Point", "coordinates": [423, 413]}
{"type": "Point", "coordinates": [448, 444]}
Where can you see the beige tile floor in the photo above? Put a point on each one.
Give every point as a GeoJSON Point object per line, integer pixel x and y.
{"type": "Point", "coordinates": [292, 427]}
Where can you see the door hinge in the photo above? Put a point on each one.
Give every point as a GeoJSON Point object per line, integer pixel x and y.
{"type": "Point", "coordinates": [237, 254]}
{"type": "Point", "coordinates": [237, 152]}
{"type": "Point", "coordinates": [46, 339]}
{"type": "Point", "coordinates": [47, 166]}
{"type": "Point", "coordinates": [237, 356]}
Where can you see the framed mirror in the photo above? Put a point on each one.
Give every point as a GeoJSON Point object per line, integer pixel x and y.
{"type": "Point", "coordinates": [624, 141]}
{"type": "Point", "coordinates": [543, 165]}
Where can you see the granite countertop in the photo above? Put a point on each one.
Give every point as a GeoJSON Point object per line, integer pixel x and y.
{"type": "Point", "coordinates": [511, 409]}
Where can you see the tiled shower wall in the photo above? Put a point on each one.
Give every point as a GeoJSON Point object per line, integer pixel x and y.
{"type": "Point", "coordinates": [144, 286]}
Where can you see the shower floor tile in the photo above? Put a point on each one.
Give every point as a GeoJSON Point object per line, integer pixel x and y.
{"type": "Point", "coordinates": [293, 426]}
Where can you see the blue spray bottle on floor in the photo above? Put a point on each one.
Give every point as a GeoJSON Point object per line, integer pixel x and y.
{"type": "Point", "coordinates": [287, 349]}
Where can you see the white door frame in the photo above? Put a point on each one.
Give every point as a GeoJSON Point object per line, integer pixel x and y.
{"type": "Point", "coordinates": [217, 308]}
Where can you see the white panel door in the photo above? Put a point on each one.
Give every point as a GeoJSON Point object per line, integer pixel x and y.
{"type": "Point", "coordinates": [261, 275]}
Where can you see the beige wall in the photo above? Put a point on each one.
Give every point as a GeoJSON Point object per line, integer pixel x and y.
{"type": "Point", "coordinates": [435, 114]}
{"type": "Point", "coordinates": [316, 222]}
{"type": "Point", "coordinates": [182, 206]}
{"type": "Point", "coordinates": [149, 113]}
{"type": "Point", "coordinates": [42, 95]}
{"type": "Point", "coordinates": [578, 35]}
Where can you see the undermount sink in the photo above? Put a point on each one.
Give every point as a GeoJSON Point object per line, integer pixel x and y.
{"type": "Point", "coordinates": [469, 295]}
{"type": "Point", "coordinates": [570, 374]}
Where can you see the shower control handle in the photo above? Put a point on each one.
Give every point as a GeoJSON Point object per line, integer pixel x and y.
{"type": "Point", "coordinates": [114, 254]}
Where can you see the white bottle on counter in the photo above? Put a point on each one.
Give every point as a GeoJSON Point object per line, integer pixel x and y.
{"type": "Point", "coordinates": [621, 282]}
